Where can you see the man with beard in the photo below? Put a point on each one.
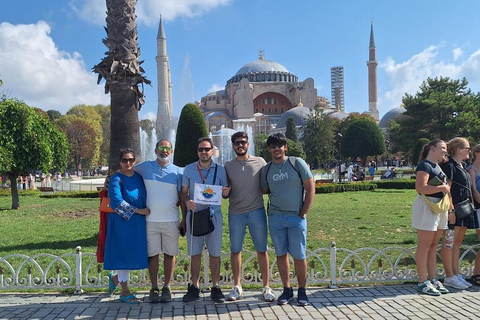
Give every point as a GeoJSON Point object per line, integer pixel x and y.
{"type": "Point", "coordinates": [246, 208]}
{"type": "Point", "coordinates": [289, 182]}
{"type": "Point", "coordinates": [163, 181]}
{"type": "Point", "coordinates": [204, 171]}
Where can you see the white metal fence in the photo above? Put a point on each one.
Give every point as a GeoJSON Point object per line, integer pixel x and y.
{"type": "Point", "coordinates": [330, 266]}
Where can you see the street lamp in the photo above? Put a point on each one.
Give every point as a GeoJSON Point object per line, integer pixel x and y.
{"type": "Point", "coordinates": [387, 144]}
{"type": "Point", "coordinates": [339, 139]}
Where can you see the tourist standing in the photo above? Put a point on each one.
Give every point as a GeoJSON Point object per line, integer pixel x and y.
{"type": "Point", "coordinates": [163, 182]}
{"type": "Point", "coordinates": [204, 171]}
{"type": "Point", "coordinates": [291, 188]}
{"type": "Point", "coordinates": [431, 182]}
{"type": "Point", "coordinates": [246, 208]}
{"type": "Point", "coordinates": [474, 171]}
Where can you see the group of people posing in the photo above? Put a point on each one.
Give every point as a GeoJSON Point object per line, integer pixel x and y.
{"type": "Point", "coordinates": [146, 221]}
{"type": "Point", "coordinates": [443, 172]}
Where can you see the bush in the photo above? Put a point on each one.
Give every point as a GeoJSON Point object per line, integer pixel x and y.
{"type": "Point", "coordinates": [344, 187]}
{"type": "Point", "coordinates": [72, 194]}
{"type": "Point", "coordinates": [394, 184]}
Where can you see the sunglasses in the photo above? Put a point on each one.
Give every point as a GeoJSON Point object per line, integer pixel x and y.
{"type": "Point", "coordinates": [240, 142]}
{"type": "Point", "coordinates": [125, 160]}
{"type": "Point", "coordinates": [469, 149]}
{"type": "Point", "coordinates": [162, 148]}
{"type": "Point", "coordinates": [204, 149]}
{"type": "Point", "coordinates": [275, 146]}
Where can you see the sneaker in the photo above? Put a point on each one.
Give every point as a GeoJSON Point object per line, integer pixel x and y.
{"type": "Point", "coordinates": [286, 296]}
{"type": "Point", "coordinates": [302, 298]}
{"type": "Point", "coordinates": [235, 294]}
{"type": "Point", "coordinates": [427, 288]}
{"type": "Point", "coordinates": [217, 294]}
{"type": "Point", "coordinates": [166, 295]}
{"type": "Point", "coordinates": [154, 296]}
{"type": "Point", "coordinates": [462, 280]}
{"type": "Point", "coordinates": [268, 294]}
{"type": "Point", "coordinates": [193, 293]}
{"type": "Point", "coordinates": [439, 286]}
{"type": "Point", "coordinates": [454, 282]}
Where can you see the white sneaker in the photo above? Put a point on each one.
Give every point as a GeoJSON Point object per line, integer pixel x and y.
{"type": "Point", "coordinates": [268, 294]}
{"type": "Point", "coordinates": [454, 282]}
{"type": "Point", "coordinates": [235, 294]}
{"type": "Point", "coordinates": [465, 282]}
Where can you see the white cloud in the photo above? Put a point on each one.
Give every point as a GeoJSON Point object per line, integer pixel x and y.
{"type": "Point", "coordinates": [148, 10]}
{"type": "Point", "coordinates": [35, 71]}
{"type": "Point", "coordinates": [406, 77]}
{"type": "Point", "coordinates": [457, 53]}
{"type": "Point", "coordinates": [216, 87]}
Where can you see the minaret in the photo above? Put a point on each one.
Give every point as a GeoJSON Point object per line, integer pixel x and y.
{"type": "Point", "coordinates": [372, 77]}
{"type": "Point", "coordinates": [164, 111]}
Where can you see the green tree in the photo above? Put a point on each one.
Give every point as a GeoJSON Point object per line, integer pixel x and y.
{"type": "Point", "coordinates": [54, 115]}
{"type": "Point", "coordinates": [29, 142]}
{"type": "Point", "coordinates": [291, 130]}
{"type": "Point", "coordinates": [260, 143]}
{"type": "Point", "coordinates": [191, 127]}
{"type": "Point", "coordinates": [318, 137]}
{"type": "Point", "coordinates": [362, 139]}
{"type": "Point", "coordinates": [417, 150]}
{"type": "Point", "coordinates": [105, 114]}
{"type": "Point", "coordinates": [123, 74]}
{"type": "Point", "coordinates": [354, 116]}
{"type": "Point", "coordinates": [294, 149]}
{"type": "Point", "coordinates": [443, 109]}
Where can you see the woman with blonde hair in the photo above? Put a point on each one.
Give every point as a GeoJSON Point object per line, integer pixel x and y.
{"type": "Point", "coordinates": [430, 226]}
{"type": "Point", "coordinates": [474, 171]}
{"type": "Point", "coordinates": [460, 190]}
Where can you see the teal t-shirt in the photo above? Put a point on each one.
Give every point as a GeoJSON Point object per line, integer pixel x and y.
{"type": "Point", "coordinates": [286, 188]}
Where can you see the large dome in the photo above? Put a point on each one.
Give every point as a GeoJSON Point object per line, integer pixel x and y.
{"type": "Point", "coordinates": [390, 115]}
{"type": "Point", "coordinates": [261, 66]}
{"type": "Point", "coordinates": [300, 114]}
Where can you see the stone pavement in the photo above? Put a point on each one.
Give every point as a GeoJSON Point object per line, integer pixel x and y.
{"type": "Point", "coordinates": [372, 302]}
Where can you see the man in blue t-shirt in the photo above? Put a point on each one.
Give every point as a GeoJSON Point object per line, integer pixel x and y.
{"type": "Point", "coordinates": [289, 182]}
{"type": "Point", "coordinates": [163, 181]}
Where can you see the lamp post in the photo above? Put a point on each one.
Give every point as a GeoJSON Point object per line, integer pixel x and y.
{"type": "Point", "coordinates": [339, 138]}
{"type": "Point", "coordinates": [387, 144]}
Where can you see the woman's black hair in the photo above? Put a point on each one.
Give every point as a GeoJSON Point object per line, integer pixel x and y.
{"type": "Point", "coordinates": [125, 151]}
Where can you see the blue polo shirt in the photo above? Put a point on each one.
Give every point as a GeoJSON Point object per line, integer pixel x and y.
{"type": "Point", "coordinates": [191, 176]}
{"type": "Point", "coordinates": [163, 185]}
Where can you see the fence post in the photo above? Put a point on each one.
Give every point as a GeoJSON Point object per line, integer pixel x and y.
{"type": "Point", "coordinates": [333, 265]}
{"type": "Point", "coordinates": [206, 267]}
{"type": "Point", "coordinates": [78, 270]}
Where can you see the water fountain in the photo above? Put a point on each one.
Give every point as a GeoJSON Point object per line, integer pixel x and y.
{"type": "Point", "coordinates": [148, 140]}
{"type": "Point", "coordinates": [223, 143]}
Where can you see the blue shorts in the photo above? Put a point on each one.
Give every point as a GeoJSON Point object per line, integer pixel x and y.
{"type": "Point", "coordinates": [289, 234]}
{"type": "Point", "coordinates": [213, 241]}
{"type": "Point", "coordinates": [256, 220]}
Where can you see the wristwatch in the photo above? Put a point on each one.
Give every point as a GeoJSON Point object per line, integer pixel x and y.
{"type": "Point", "coordinates": [451, 210]}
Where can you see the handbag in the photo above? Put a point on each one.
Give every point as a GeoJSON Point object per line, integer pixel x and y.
{"type": "Point", "coordinates": [438, 207]}
{"type": "Point", "coordinates": [201, 223]}
{"type": "Point", "coordinates": [105, 205]}
{"type": "Point", "coordinates": [464, 209]}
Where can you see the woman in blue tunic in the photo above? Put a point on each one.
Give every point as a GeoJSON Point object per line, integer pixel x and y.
{"type": "Point", "coordinates": [126, 242]}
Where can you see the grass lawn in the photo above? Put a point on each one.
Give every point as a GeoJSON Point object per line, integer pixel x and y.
{"type": "Point", "coordinates": [353, 220]}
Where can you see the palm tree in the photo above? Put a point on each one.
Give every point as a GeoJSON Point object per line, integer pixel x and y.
{"type": "Point", "coordinates": [123, 75]}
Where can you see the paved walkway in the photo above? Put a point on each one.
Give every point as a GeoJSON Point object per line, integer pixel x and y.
{"type": "Point", "coordinates": [374, 302]}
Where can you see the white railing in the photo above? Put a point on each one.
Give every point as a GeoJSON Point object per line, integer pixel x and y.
{"type": "Point", "coordinates": [326, 266]}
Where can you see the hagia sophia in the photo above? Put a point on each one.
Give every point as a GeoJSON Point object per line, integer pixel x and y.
{"type": "Point", "coordinates": [263, 94]}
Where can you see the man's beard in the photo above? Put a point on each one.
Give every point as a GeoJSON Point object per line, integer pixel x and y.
{"type": "Point", "coordinates": [163, 159]}
{"type": "Point", "coordinates": [240, 153]}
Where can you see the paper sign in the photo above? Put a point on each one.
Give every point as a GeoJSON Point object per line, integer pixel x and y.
{"type": "Point", "coordinates": [206, 194]}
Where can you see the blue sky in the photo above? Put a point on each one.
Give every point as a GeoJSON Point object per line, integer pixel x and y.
{"type": "Point", "coordinates": [48, 47]}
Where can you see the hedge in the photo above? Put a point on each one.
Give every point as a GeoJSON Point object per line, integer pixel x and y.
{"type": "Point", "coordinates": [344, 187]}
{"type": "Point", "coordinates": [71, 194]}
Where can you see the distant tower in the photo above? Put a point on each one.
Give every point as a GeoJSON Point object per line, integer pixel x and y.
{"type": "Point", "coordinates": [164, 111]}
{"type": "Point", "coordinates": [338, 99]}
{"type": "Point", "coordinates": [372, 77]}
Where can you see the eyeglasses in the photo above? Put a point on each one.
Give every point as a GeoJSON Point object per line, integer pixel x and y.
{"type": "Point", "coordinates": [469, 149]}
{"type": "Point", "coordinates": [275, 146]}
{"type": "Point", "coordinates": [204, 149]}
{"type": "Point", "coordinates": [125, 160]}
{"type": "Point", "coordinates": [162, 148]}
{"type": "Point", "coordinates": [240, 142]}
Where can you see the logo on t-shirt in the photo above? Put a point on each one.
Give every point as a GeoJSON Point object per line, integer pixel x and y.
{"type": "Point", "coordinates": [280, 176]}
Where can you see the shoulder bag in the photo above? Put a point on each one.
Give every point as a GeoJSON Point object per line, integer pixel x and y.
{"type": "Point", "coordinates": [201, 222]}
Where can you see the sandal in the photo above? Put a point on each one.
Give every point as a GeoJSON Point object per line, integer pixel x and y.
{"type": "Point", "coordinates": [475, 280]}
{"type": "Point", "coordinates": [129, 299]}
{"type": "Point", "coordinates": [111, 284]}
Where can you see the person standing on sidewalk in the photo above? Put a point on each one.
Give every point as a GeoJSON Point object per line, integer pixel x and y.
{"type": "Point", "coordinates": [246, 208]}
{"type": "Point", "coordinates": [291, 188]}
{"type": "Point", "coordinates": [204, 171]}
{"type": "Point", "coordinates": [163, 181]}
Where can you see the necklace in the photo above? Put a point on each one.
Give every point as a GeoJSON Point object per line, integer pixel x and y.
{"type": "Point", "coordinates": [279, 167]}
{"type": "Point", "coordinates": [242, 163]}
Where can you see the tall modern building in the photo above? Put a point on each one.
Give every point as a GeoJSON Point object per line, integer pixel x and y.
{"type": "Point", "coordinates": [338, 98]}
{"type": "Point", "coordinates": [372, 77]}
{"type": "Point", "coordinates": [164, 111]}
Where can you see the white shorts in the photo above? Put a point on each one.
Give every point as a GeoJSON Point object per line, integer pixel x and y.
{"type": "Point", "coordinates": [162, 237]}
{"type": "Point", "coordinates": [424, 219]}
